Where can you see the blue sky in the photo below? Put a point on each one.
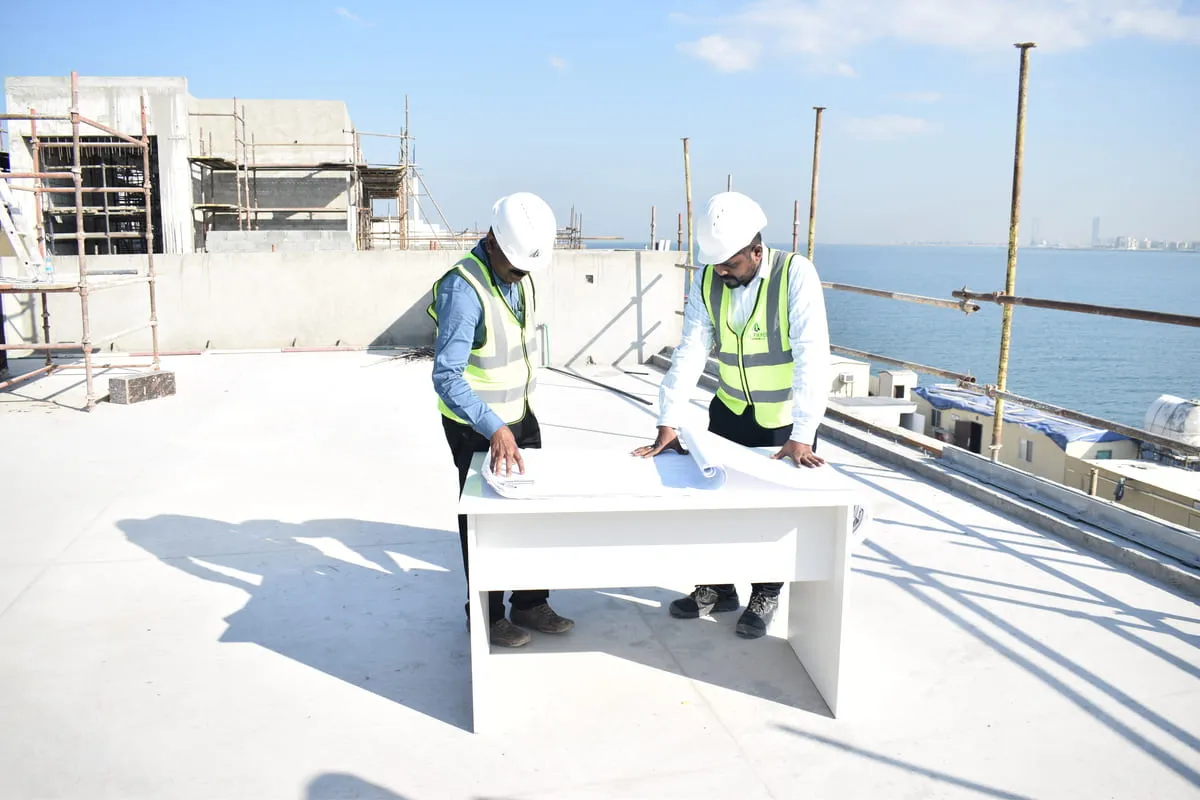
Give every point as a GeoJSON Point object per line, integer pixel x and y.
{"type": "Point", "coordinates": [586, 102]}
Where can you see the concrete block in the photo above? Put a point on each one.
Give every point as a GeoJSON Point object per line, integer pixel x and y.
{"type": "Point", "coordinates": [128, 389]}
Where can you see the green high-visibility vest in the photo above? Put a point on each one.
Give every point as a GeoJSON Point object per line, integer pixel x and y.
{"type": "Point", "coordinates": [755, 363]}
{"type": "Point", "coordinates": [498, 368]}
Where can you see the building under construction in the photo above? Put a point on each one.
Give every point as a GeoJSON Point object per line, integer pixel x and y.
{"type": "Point", "coordinates": [229, 175]}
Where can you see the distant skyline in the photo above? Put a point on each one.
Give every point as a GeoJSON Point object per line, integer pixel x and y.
{"type": "Point", "coordinates": [586, 103]}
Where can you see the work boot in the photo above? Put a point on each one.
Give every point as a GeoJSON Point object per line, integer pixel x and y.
{"type": "Point", "coordinates": [542, 619]}
{"type": "Point", "coordinates": [504, 634]}
{"type": "Point", "coordinates": [757, 616]}
{"type": "Point", "coordinates": [703, 601]}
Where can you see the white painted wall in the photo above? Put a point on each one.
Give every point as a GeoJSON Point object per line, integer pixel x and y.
{"type": "Point", "coordinates": [613, 307]}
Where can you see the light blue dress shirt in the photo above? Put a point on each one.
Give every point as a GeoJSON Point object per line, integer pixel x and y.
{"type": "Point", "coordinates": [460, 329]}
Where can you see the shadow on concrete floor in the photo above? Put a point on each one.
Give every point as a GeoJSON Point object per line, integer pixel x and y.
{"type": "Point", "coordinates": [362, 602]}
{"type": "Point", "coordinates": [359, 601]}
{"type": "Point", "coordinates": [341, 786]}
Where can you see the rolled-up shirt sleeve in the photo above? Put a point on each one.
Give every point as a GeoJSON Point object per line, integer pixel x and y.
{"type": "Point", "coordinates": [459, 312]}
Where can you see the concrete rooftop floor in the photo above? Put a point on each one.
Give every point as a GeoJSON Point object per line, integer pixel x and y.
{"type": "Point", "coordinates": [253, 589]}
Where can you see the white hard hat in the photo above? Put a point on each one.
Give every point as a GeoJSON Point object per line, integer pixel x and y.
{"type": "Point", "coordinates": [525, 229]}
{"type": "Point", "coordinates": [730, 222]}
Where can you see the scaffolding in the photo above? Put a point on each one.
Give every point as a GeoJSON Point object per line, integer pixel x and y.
{"type": "Point", "coordinates": [245, 160]}
{"type": "Point", "coordinates": [86, 283]}
{"type": "Point", "coordinates": [403, 184]}
{"type": "Point", "coordinates": [209, 162]}
{"type": "Point", "coordinates": [391, 202]}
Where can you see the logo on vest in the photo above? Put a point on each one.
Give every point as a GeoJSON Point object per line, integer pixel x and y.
{"type": "Point", "coordinates": [757, 333]}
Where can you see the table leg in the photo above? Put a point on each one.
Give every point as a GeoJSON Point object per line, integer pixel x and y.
{"type": "Point", "coordinates": [816, 610]}
{"type": "Point", "coordinates": [481, 690]}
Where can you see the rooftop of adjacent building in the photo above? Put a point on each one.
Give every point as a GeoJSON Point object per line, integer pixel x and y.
{"type": "Point", "coordinates": [1062, 431]}
{"type": "Point", "coordinates": [253, 589]}
{"type": "Point", "coordinates": [1166, 477]}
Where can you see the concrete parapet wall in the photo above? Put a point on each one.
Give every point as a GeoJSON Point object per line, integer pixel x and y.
{"type": "Point", "coordinates": [279, 241]}
{"type": "Point", "coordinates": [611, 307]}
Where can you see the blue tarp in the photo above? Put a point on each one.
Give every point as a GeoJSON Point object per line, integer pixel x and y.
{"type": "Point", "coordinates": [943, 396]}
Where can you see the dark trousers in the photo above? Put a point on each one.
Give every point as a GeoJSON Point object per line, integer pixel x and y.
{"type": "Point", "coordinates": [464, 443]}
{"type": "Point", "coordinates": [744, 430]}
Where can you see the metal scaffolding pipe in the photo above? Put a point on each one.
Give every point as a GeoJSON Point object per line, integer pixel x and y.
{"type": "Point", "coordinates": [112, 337]}
{"type": "Point", "coordinates": [94, 189]}
{"type": "Point", "coordinates": [687, 182]}
{"type": "Point", "coordinates": [812, 197]}
{"type": "Point", "coordinates": [28, 376]}
{"type": "Point", "coordinates": [110, 131]}
{"type": "Point", "coordinates": [954, 376]}
{"type": "Point", "coordinates": [1014, 224]}
{"type": "Point", "coordinates": [57, 175]}
{"type": "Point", "coordinates": [795, 226]}
{"type": "Point", "coordinates": [80, 251]}
{"type": "Point", "coordinates": [41, 228]}
{"type": "Point", "coordinates": [1081, 308]}
{"type": "Point", "coordinates": [151, 277]}
{"type": "Point", "coordinates": [37, 347]}
{"type": "Point", "coordinates": [959, 305]}
{"type": "Point", "coordinates": [35, 116]}
{"type": "Point", "coordinates": [31, 287]}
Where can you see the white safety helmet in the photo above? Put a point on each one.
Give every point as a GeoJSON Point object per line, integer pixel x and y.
{"type": "Point", "coordinates": [525, 229]}
{"type": "Point", "coordinates": [730, 221]}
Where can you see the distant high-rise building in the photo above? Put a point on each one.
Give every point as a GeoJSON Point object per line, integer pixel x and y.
{"type": "Point", "coordinates": [1035, 237]}
{"type": "Point", "coordinates": [1095, 231]}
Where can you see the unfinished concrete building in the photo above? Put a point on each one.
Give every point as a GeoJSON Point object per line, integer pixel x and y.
{"type": "Point", "coordinates": [229, 175]}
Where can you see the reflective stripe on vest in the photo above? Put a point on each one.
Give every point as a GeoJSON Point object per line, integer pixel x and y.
{"type": "Point", "coordinates": [754, 364]}
{"type": "Point", "coordinates": [498, 371]}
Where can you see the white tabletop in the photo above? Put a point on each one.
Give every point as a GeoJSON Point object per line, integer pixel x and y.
{"type": "Point", "coordinates": [753, 480]}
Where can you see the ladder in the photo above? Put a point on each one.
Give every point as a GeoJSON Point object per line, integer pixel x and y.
{"type": "Point", "coordinates": [18, 240]}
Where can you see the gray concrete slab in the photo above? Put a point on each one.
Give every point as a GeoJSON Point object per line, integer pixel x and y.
{"type": "Point", "coordinates": [253, 589]}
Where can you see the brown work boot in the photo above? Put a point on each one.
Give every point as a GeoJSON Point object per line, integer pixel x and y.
{"type": "Point", "coordinates": [541, 619]}
{"type": "Point", "coordinates": [503, 633]}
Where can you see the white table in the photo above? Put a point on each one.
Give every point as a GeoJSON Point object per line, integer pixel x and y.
{"type": "Point", "coordinates": [785, 524]}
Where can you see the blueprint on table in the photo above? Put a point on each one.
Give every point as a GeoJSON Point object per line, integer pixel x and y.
{"type": "Point", "coordinates": [556, 472]}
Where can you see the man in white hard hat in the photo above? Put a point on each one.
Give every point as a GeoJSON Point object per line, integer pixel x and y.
{"type": "Point", "coordinates": [765, 312]}
{"type": "Point", "coordinates": [482, 373]}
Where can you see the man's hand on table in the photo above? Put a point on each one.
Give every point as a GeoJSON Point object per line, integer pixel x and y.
{"type": "Point", "coordinates": [667, 439]}
{"type": "Point", "coordinates": [801, 454]}
{"type": "Point", "coordinates": [504, 453]}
